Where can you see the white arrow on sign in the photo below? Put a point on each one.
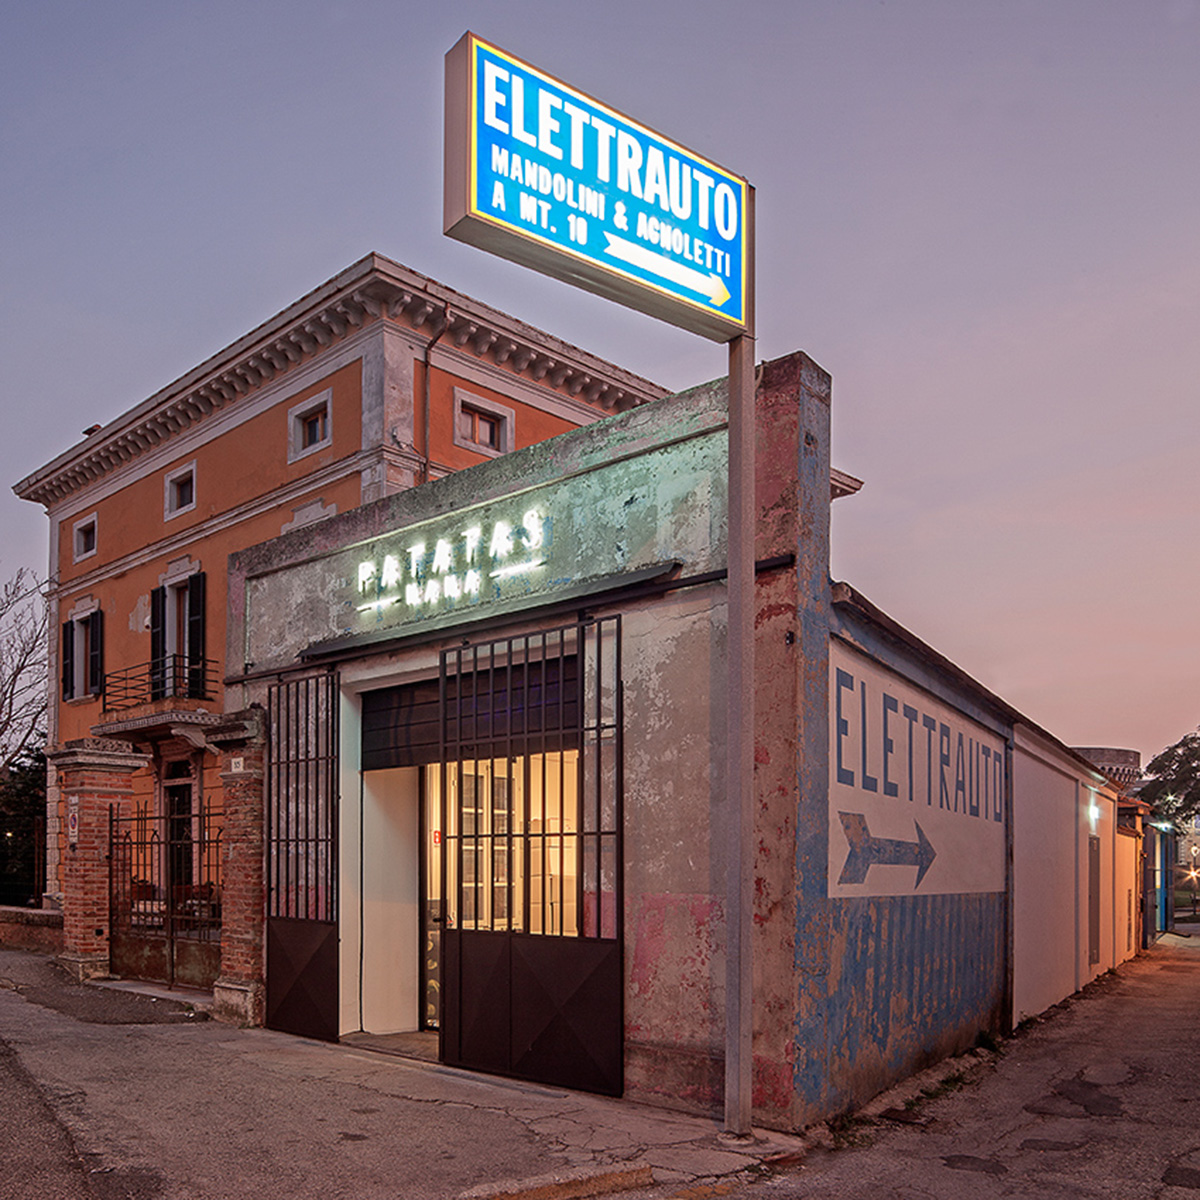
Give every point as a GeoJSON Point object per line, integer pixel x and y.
{"type": "Point", "coordinates": [708, 285]}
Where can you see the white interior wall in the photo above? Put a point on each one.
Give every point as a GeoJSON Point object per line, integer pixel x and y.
{"type": "Point", "coordinates": [391, 897]}
{"type": "Point", "coordinates": [349, 757]}
{"type": "Point", "coordinates": [379, 890]}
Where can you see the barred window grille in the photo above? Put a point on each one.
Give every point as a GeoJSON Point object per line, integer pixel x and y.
{"type": "Point", "coordinates": [302, 798]}
{"type": "Point", "coordinates": [530, 783]}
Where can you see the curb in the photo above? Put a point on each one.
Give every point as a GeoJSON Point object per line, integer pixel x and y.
{"type": "Point", "coordinates": [565, 1185]}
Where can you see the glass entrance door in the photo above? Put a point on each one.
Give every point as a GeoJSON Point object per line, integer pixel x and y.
{"type": "Point", "coordinates": [432, 917]}
{"type": "Point", "coordinates": [512, 843]}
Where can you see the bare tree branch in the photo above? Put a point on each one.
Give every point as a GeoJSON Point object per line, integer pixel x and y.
{"type": "Point", "coordinates": [23, 616]}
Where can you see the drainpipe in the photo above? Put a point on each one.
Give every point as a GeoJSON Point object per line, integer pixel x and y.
{"type": "Point", "coordinates": [443, 325]}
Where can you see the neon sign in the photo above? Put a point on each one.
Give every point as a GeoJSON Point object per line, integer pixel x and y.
{"type": "Point", "coordinates": [432, 574]}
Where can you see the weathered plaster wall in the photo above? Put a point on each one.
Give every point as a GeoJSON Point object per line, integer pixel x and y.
{"type": "Point", "coordinates": [676, 879]}
{"type": "Point", "coordinates": [632, 491]}
{"type": "Point", "coordinates": [644, 488]}
{"type": "Point", "coordinates": [912, 976]}
{"type": "Point", "coordinates": [674, 958]}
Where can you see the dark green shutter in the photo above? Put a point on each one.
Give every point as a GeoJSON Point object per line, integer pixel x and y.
{"type": "Point", "coordinates": [96, 653]}
{"type": "Point", "coordinates": [158, 643]}
{"type": "Point", "coordinates": [195, 637]}
{"type": "Point", "coordinates": [68, 660]}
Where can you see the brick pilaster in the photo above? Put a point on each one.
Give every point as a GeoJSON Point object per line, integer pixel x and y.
{"type": "Point", "coordinates": [239, 992]}
{"type": "Point", "coordinates": [93, 774]}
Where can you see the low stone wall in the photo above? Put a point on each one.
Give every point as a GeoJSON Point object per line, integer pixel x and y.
{"type": "Point", "coordinates": [38, 929]}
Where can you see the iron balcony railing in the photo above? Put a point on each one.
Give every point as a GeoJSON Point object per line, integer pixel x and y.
{"type": "Point", "coordinates": [175, 676]}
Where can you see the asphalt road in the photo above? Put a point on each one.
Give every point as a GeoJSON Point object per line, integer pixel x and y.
{"type": "Point", "coordinates": [38, 1155]}
{"type": "Point", "coordinates": [141, 1099]}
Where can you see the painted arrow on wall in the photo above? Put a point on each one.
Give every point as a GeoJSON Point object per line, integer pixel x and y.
{"type": "Point", "coordinates": [866, 851]}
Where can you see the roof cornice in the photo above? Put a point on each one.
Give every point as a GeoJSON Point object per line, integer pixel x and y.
{"type": "Point", "coordinates": [373, 289]}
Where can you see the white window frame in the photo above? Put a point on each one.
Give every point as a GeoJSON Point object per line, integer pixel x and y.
{"type": "Point", "coordinates": [298, 414]}
{"type": "Point", "coordinates": [78, 617]}
{"type": "Point", "coordinates": [175, 580]}
{"type": "Point", "coordinates": [76, 533]}
{"type": "Point", "coordinates": [175, 639]}
{"type": "Point", "coordinates": [170, 481]}
{"type": "Point", "coordinates": [505, 416]}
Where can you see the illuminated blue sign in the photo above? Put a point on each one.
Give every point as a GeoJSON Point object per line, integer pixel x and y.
{"type": "Point", "coordinates": [540, 173]}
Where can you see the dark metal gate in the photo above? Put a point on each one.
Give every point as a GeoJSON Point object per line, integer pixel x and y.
{"type": "Point", "coordinates": [302, 816]}
{"type": "Point", "coordinates": [22, 860]}
{"type": "Point", "coordinates": [531, 861]}
{"type": "Point", "coordinates": [165, 892]}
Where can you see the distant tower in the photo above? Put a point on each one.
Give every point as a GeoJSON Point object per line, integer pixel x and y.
{"type": "Point", "coordinates": [1123, 767]}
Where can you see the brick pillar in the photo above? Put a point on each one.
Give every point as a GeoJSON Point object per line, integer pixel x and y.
{"type": "Point", "coordinates": [239, 992]}
{"type": "Point", "coordinates": [93, 773]}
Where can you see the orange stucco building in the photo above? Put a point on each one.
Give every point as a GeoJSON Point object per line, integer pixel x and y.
{"type": "Point", "coordinates": [375, 382]}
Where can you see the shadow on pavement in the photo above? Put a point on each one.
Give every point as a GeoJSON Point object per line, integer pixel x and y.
{"type": "Point", "coordinates": [44, 982]}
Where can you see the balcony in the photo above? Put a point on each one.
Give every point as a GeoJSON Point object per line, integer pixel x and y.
{"type": "Point", "coordinates": [174, 677]}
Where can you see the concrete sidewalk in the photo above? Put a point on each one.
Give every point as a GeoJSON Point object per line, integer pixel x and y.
{"type": "Point", "coordinates": [162, 1103]}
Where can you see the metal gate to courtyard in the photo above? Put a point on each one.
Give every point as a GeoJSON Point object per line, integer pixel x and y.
{"type": "Point", "coordinates": [531, 857]}
{"type": "Point", "coordinates": [301, 861]}
{"type": "Point", "coordinates": [165, 893]}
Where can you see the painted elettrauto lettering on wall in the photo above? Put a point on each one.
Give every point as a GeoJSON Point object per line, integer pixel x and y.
{"type": "Point", "coordinates": [916, 789]}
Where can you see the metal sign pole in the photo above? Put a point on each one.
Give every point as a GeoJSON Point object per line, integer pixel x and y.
{"type": "Point", "coordinates": [739, 714]}
{"type": "Point", "coordinates": [740, 740]}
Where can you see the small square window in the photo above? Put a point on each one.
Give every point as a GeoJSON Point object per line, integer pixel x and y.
{"type": "Point", "coordinates": [180, 494]}
{"type": "Point", "coordinates": [85, 537]}
{"type": "Point", "coordinates": [479, 427]}
{"type": "Point", "coordinates": [310, 425]}
{"type": "Point", "coordinates": [315, 426]}
{"type": "Point", "coordinates": [483, 425]}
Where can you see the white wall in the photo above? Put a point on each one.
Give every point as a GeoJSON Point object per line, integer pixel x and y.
{"type": "Point", "coordinates": [391, 900]}
{"type": "Point", "coordinates": [1058, 805]}
{"type": "Point", "coordinates": [379, 892]}
{"type": "Point", "coordinates": [349, 756]}
{"type": "Point", "coordinates": [1126, 893]}
{"type": "Point", "coordinates": [380, 896]}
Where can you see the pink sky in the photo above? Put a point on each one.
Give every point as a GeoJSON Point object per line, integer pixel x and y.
{"type": "Point", "coordinates": [982, 219]}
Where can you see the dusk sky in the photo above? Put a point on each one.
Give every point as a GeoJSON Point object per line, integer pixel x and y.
{"type": "Point", "coordinates": [982, 218]}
